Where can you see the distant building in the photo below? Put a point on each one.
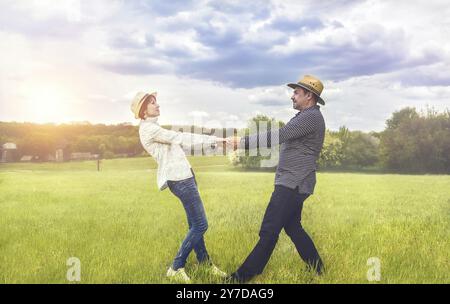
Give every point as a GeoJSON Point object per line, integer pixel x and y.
{"type": "Point", "coordinates": [123, 155]}
{"type": "Point", "coordinates": [62, 152]}
{"type": "Point", "coordinates": [59, 155]}
{"type": "Point", "coordinates": [51, 158]}
{"type": "Point", "coordinates": [83, 156]}
{"type": "Point", "coordinates": [35, 158]}
{"type": "Point", "coordinates": [8, 152]}
{"type": "Point", "coordinates": [26, 158]}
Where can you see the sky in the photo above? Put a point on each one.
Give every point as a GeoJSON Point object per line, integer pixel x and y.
{"type": "Point", "coordinates": [219, 63]}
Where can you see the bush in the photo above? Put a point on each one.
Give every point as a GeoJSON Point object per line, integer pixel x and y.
{"type": "Point", "coordinates": [247, 160]}
{"type": "Point", "coordinates": [108, 155]}
{"type": "Point", "coordinates": [417, 143]}
{"type": "Point", "coordinates": [331, 154]}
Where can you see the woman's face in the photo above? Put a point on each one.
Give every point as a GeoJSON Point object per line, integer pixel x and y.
{"type": "Point", "coordinates": [152, 107]}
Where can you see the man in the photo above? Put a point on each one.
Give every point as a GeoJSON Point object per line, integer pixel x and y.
{"type": "Point", "coordinates": [301, 141]}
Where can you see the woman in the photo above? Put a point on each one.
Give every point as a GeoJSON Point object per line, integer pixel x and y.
{"type": "Point", "coordinates": [175, 172]}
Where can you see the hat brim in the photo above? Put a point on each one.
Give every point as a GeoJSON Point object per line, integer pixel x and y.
{"type": "Point", "coordinates": [139, 106]}
{"type": "Point", "coordinates": [296, 85]}
{"type": "Point", "coordinates": [136, 114]}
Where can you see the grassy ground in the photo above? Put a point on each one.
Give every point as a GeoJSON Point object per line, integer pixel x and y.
{"type": "Point", "coordinates": [124, 230]}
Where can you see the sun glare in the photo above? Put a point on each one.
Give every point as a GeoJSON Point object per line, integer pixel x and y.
{"type": "Point", "coordinates": [47, 104]}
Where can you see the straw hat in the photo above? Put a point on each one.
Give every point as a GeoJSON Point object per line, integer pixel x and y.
{"type": "Point", "coordinates": [311, 84]}
{"type": "Point", "coordinates": [137, 102]}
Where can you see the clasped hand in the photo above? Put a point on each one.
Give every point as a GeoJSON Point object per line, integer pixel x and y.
{"type": "Point", "coordinates": [231, 142]}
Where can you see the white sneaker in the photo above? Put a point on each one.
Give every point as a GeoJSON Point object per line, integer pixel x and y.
{"type": "Point", "coordinates": [217, 272]}
{"type": "Point", "coordinates": [178, 275]}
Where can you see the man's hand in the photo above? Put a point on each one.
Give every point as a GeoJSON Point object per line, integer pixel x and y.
{"type": "Point", "coordinates": [233, 142]}
{"type": "Point", "coordinates": [221, 142]}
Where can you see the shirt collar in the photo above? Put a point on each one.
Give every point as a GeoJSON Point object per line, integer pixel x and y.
{"type": "Point", "coordinates": [314, 107]}
{"type": "Point", "coordinates": [151, 119]}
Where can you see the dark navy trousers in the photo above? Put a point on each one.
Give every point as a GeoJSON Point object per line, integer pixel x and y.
{"type": "Point", "coordinates": [283, 212]}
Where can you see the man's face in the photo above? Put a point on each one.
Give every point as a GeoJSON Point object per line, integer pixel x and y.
{"type": "Point", "coordinates": [301, 99]}
{"type": "Point", "coordinates": [152, 107]}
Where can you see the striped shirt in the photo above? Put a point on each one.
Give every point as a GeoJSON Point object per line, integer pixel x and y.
{"type": "Point", "coordinates": [301, 141]}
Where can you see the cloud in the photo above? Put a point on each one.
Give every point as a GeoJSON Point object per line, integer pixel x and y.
{"type": "Point", "coordinates": [159, 8]}
{"type": "Point", "coordinates": [286, 25]}
{"type": "Point", "coordinates": [226, 59]}
{"type": "Point", "coordinates": [38, 21]}
{"type": "Point", "coordinates": [364, 103]}
{"type": "Point", "coordinates": [198, 114]}
{"type": "Point", "coordinates": [239, 45]}
{"type": "Point", "coordinates": [230, 44]}
{"type": "Point", "coordinates": [136, 67]}
{"type": "Point", "coordinates": [255, 9]}
{"type": "Point", "coordinates": [427, 75]}
{"type": "Point", "coordinates": [271, 97]}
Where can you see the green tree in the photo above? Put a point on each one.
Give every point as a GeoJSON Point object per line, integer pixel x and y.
{"type": "Point", "coordinates": [258, 124]}
{"type": "Point", "coordinates": [349, 149]}
{"type": "Point", "coordinates": [416, 143]}
{"type": "Point", "coordinates": [361, 150]}
{"type": "Point", "coordinates": [37, 144]}
{"type": "Point", "coordinates": [331, 154]}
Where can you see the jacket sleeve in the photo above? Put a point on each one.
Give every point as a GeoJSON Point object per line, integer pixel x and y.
{"type": "Point", "coordinates": [161, 135]}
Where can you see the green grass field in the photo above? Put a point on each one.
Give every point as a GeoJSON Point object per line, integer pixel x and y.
{"type": "Point", "coordinates": [124, 230]}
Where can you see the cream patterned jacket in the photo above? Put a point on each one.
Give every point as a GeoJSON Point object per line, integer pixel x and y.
{"type": "Point", "coordinates": [165, 146]}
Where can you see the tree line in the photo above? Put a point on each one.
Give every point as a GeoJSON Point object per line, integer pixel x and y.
{"type": "Point", "coordinates": [106, 141]}
{"type": "Point", "coordinates": [412, 142]}
{"type": "Point", "coordinates": [44, 139]}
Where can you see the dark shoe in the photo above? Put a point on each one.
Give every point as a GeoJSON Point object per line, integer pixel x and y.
{"type": "Point", "coordinates": [318, 268]}
{"type": "Point", "coordinates": [236, 278]}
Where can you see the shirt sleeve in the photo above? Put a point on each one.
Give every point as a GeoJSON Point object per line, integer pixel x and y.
{"type": "Point", "coordinates": [297, 127]}
{"type": "Point", "coordinates": [161, 135]}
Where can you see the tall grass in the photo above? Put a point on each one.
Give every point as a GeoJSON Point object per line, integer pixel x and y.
{"type": "Point", "coordinates": [124, 230]}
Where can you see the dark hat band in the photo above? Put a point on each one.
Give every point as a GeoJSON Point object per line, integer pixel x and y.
{"type": "Point", "coordinates": [309, 88]}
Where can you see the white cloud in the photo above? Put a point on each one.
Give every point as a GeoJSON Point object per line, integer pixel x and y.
{"type": "Point", "coordinates": [272, 96]}
{"type": "Point", "coordinates": [198, 114]}
{"type": "Point", "coordinates": [364, 103]}
{"type": "Point", "coordinates": [224, 61]}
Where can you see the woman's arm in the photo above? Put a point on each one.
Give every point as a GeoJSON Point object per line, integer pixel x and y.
{"type": "Point", "coordinates": [161, 135]}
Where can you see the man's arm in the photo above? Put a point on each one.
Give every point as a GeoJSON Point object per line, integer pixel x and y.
{"type": "Point", "coordinates": [296, 128]}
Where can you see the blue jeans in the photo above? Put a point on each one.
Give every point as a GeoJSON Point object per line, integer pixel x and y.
{"type": "Point", "coordinates": [186, 190]}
